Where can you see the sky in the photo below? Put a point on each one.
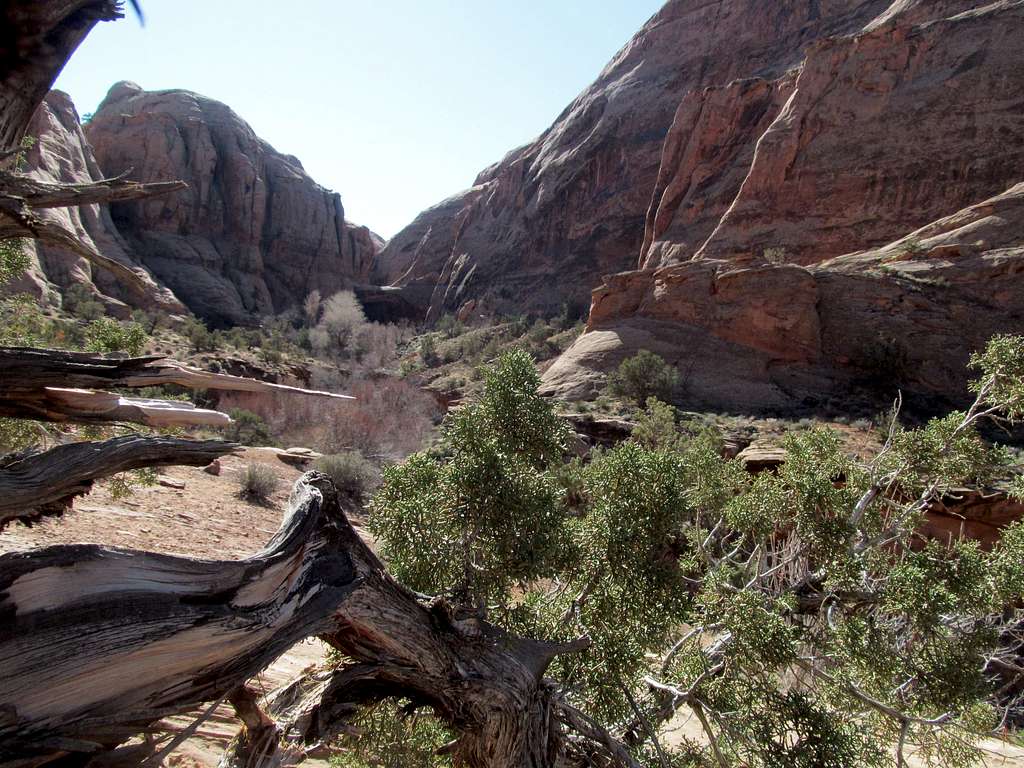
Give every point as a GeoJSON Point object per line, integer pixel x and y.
{"type": "Point", "coordinates": [395, 104]}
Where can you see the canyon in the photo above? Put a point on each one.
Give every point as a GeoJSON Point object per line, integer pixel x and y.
{"type": "Point", "coordinates": [788, 201]}
{"type": "Point", "coordinates": [252, 234]}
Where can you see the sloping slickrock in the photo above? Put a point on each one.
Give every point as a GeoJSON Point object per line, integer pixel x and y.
{"type": "Point", "coordinates": [541, 226]}
{"type": "Point", "coordinates": [253, 233]}
{"type": "Point", "coordinates": [775, 337]}
{"type": "Point", "coordinates": [62, 154]}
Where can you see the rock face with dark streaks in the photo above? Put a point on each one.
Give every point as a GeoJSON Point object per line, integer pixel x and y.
{"type": "Point", "coordinates": [764, 185]}
{"type": "Point", "coordinates": [253, 234]}
{"type": "Point", "coordinates": [774, 337]}
{"type": "Point", "coordinates": [540, 227]}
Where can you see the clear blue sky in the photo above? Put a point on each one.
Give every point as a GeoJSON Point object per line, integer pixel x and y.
{"type": "Point", "coordinates": [396, 104]}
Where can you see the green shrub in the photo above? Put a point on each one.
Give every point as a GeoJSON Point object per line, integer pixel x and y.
{"type": "Point", "coordinates": [247, 428]}
{"type": "Point", "coordinates": [642, 376]}
{"type": "Point", "coordinates": [199, 336]}
{"type": "Point", "coordinates": [428, 351]}
{"type": "Point", "coordinates": [386, 737]}
{"type": "Point", "coordinates": [450, 326]}
{"type": "Point", "coordinates": [351, 472]}
{"type": "Point", "coordinates": [257, 482]}
{"type": "Point", "coordinates": [800, 608]}
{"type": "Point", "coordinates": [108, 335]}
{"type": "Point", "coordinates": [82, 303]}
{"type": "Point", "coordinates": [14, 261]}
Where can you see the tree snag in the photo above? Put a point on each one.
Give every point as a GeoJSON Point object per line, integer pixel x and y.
{"type": "Point", "coordinates": [98, 643]}
{"type": "Point", "coordinates": [44, 483]}
{"type": "Point", "coordinates": [58, 386]}
{"type": "Point", "coordinates": [37, 37]}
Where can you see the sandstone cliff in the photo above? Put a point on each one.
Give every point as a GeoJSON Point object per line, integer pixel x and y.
{"type": "Point", "coordinates": [914, 117]}
{"type": "Point", "coordinates": [253, 234]}
{"type": "Point", "coordinates": [779, 336]}
{"type": "Point", "coordinates": [62, 154]}
{"type": "Point", "coordinates": [541, 226]}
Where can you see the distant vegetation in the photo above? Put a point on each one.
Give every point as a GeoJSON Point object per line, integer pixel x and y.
{"type": "Point", "coordinates": [642, 376]}
{"type": "Point", "coordinates": [257, 483]}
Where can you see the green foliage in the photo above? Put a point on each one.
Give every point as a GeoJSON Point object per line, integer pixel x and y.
{"type": "Point", "coordinates": [800, 609]}
{"type": "Point", "coordinates": [123, 485]}
{"type": "Point", "coordinates": [351, 472]}
{"type": "Point", "coordinates": [13, 260]}
{"type": "Point", "coordinates": [450, 326]}
{"type": "Point", "coordinates": [1001, 379]}
{"type": "Point", "coordinates": [484, 516]}
{"type": "Point", "coordinates": [257, 483]}
{"type": "Point", "coordinates": [19, 434]}
{"type": "Point", "coordinates": [82, 303]}
{"type": "Point", "coordinates": [656, 426]}
{"type": "Point", "coordinates": [642, 376]}
{"type": "Point", "coordinates": [390, 738]}
{"type": "Point", "coordinates": [247, 428]}
{"type": "Point", "coordinates": [108, 335]}
{"type": "Point", "coordinates": [22, 323]}
{"type": "Point", "coordinates": [201, 338]}
{"type": "Point", "coordinates": [428, 351]}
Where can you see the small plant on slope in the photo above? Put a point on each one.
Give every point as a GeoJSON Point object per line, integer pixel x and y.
{"type": "Point", "coordinates": [644, 375]}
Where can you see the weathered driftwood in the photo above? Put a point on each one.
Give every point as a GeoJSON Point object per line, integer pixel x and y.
{"type": "Point", "coordinates": [42, 483]}
{"type": "Point", "coordinates": [98, 643]}
{"type": "Point", "coordinates": [53, 385]}
{"type": "Point", "coordinates": [20, 195]}
{"type": "Point", "coordinates": [86, 406]}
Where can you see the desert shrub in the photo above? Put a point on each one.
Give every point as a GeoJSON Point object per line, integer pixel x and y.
{"type": "Point", "coordinates": [247, 428]}
{"type": "Point", "coordinates": [450, 326]}
{"type": "Point", "coordinates": [883, 362]}
{"type": "Point", "coordinates": [109, 335]}
{"type": "Point", "coordinates": [201, 338]}
{"type": "Point", "coordinates": [642, 376]}
{"type": "Point", "coordinates": [151, 322]}
{"type": "Point", "coordinates": [802, 611]}
{"type": "Point", "coordinates": [82, 303]}
{"type": "Point", "coordinates": [775, 256]}
{"type": "Point", "coordinates": [351, 472]}
{"type": "Point", "coordinates": [656, 425]}
{"type": "Point", "coordinates": [428, 351]}
{"type": "Point", "coordinates": [375, 345]}
{"type": "Point", "coordinates": [311, 308]}
{"type": "Point", "coordinates": [384, 737]}
{"type": "Point", "coordinates": [257, 483]}
{"type": "Point", "coordinates": [14, 260]}
{"type": "Point", "coordinates": [389, 419]}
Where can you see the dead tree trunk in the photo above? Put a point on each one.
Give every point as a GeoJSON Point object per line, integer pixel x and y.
{"type": "Point", "coordinates": [37, 37]}
{"type": "Point", "coordinates": [97, 644]}
{"type": "Point", "coordinates": [45, 483]}
{"type": "Point", "coordinates": [53, 385]}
